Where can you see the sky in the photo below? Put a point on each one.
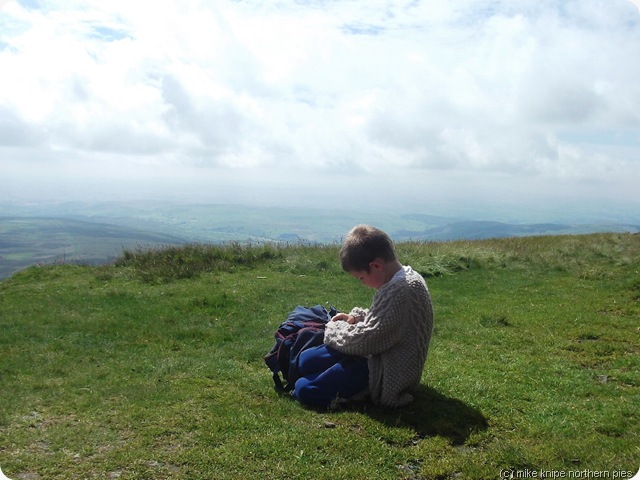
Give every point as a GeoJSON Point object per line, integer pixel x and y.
{"type": "Point", "coordinates": [496, 109]}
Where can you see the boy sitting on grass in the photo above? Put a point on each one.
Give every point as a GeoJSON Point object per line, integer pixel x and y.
{"type": "Point", "coordinates": [378, 351]}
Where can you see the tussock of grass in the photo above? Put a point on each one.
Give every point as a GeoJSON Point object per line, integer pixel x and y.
{"type": "Point", "coordinates": [165, 264]}
{"type": "Point", "coordinates": [152, 367]}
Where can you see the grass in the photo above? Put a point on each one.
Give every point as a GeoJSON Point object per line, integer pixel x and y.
{"type": "Point", "coordinates": [151, 368]}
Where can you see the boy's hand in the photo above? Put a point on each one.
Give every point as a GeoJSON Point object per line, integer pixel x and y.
{"type": "Point", "coordinates": [345, 318]}
{"type": "Point", "coordinates": [340, 317]}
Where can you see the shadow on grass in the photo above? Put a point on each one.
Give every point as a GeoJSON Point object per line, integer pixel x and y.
{"type": "Point", "coordinates": [432, 414]}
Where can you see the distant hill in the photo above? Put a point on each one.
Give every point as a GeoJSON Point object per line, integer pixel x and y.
{"type": "Point", "coordinates": [26, 241]}
{"type": "Point", "coordinates": [476, 230]}
{"type": "Point", "coordinates": [480, 230]}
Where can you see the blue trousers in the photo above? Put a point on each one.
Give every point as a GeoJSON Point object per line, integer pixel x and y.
{"type": "Point", "coordinates": [327, 374]}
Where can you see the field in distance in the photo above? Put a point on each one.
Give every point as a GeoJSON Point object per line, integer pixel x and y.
{"type": "Point", "coordinates": [32, 241]}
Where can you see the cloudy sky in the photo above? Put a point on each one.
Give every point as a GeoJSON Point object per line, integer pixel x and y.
{"type": "Point", "coordinates": [496, 107]}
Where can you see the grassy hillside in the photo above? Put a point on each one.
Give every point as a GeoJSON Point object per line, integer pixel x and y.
{"type": "Point", "coordinates": [151, 367]}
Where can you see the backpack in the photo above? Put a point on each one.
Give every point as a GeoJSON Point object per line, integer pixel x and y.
{"type": "Point", "coordinates": [303, 329]}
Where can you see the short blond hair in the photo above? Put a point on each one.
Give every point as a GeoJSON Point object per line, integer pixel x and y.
{"type": "Point", "coordinates": [362, 245]}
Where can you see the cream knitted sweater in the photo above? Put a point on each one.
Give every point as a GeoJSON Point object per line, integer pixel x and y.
{"type": "Point", "coordinates": [394, 335]}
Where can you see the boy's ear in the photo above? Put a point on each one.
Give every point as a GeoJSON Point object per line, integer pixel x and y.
{"type": "Point", "coordinates": [376, 264]}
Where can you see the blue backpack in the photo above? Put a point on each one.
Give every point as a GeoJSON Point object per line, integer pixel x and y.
{"type": "Point", "coordinates": [303, 328]}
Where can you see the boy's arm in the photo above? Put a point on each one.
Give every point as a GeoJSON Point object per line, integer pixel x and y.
{"type": "Point", "coordinates": [382, 328]}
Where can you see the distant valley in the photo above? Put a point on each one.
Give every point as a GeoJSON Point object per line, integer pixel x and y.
{"type": "Point", "coordinates": [98, 233]}
{"type": "Point", "coordinates": [28, 241]}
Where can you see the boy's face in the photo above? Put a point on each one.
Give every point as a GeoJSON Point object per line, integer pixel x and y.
{"type": "Point", "coordinates": [373, 278]}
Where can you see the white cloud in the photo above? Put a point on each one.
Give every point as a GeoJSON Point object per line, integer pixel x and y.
{"type": "Point", "coordinates": [495, 91]}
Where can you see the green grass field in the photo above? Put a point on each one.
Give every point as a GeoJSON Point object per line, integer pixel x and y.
{"type": "Point", "coordinates": [151, 368]}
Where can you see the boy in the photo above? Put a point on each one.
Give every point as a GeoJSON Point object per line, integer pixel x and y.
{"type": "Point", "coordinates": [378, 351]}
